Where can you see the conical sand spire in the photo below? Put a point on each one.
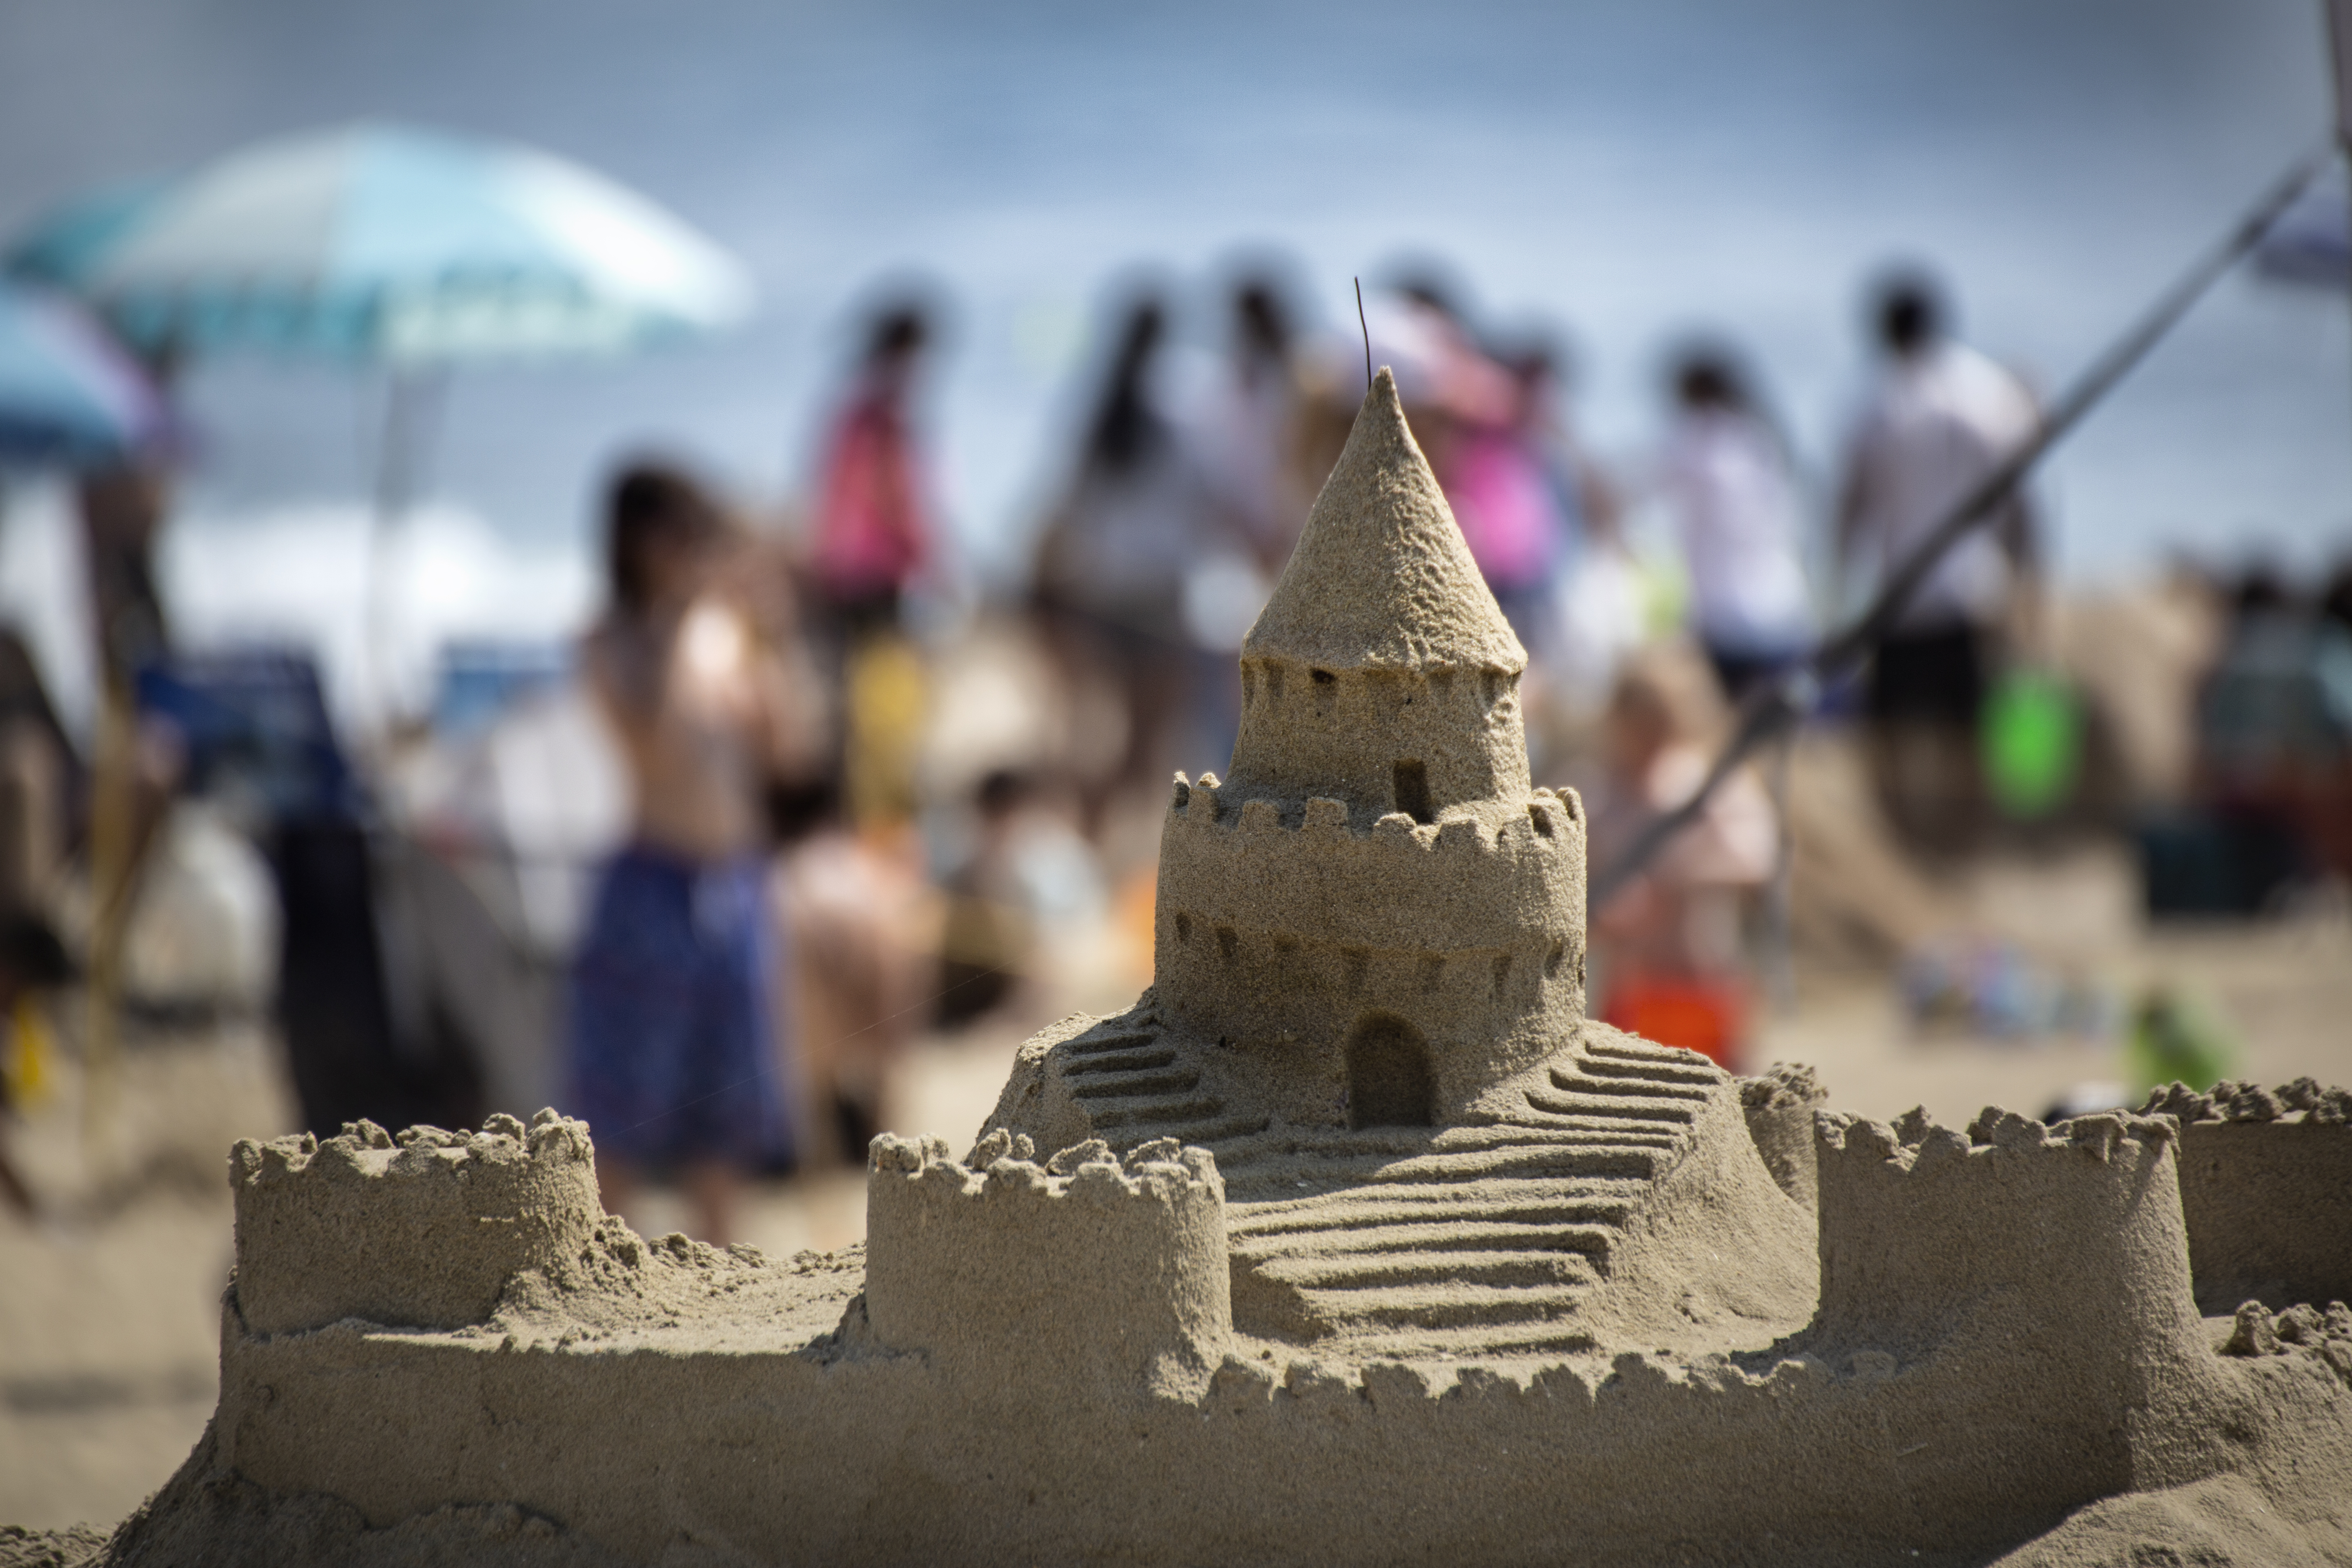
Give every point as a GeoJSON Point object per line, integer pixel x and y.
{"type": "Point", "coordinates": [1382, 578]}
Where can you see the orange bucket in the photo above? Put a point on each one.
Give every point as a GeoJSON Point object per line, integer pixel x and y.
{"type": "Point", "coordinates": [1707, 1017]}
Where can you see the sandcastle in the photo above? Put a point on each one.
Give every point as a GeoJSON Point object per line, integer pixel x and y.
{"type": "Point", "coordinates": [1353, 1241]}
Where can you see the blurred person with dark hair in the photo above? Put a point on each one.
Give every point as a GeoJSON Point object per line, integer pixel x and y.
{"type": "Point", "coordinates": [988, 936]}
{"type": "Point", "coordinates": [1599, 605]}
{"type": "Point", "coordinates": [2274, 769]}
{"type": "Point", "coordinates": [1022, 883]}
{"type": "Point", "coordinates": [873, 540]}
{"type": "Point", "coordinates": [1726, 477]}
{"type": "Point", "coordinates": [37, 767]}
{"type": "Point", "coordinates": [1247, 426]}
{"type": "Point", "coordinates": [673, 1027]}
{"type": "Point", "coordinates": [873, 525]}
{"type": "Point", "coordinates": [1250, 429]}
{"type": "Point", "coordinates": [1543, 373]}
{"type": "Point", "coordinates": [2335, 597]}
{"type": "Point", "coordinates": [1112, 560]}
{"type": "Point", "coordinates": [1941, 420]}
{"type": "Point", "coordinates": [122, 512]}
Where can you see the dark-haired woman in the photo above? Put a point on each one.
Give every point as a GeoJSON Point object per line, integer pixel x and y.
{"type": "Point", "coordinates": [1112, 562]}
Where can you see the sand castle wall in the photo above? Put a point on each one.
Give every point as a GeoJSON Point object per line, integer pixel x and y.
{"type": "Point", "coordinates": [2057, 1256]}
{"type": "Point", "coordinates": [424, 1231]}
{"type": "Point", "coordinates": [1082, 1274]}
{"type": "Point", "coordinates": [2004, 1335]}
{"type": "Point", "coordinates": [2266, 1191]}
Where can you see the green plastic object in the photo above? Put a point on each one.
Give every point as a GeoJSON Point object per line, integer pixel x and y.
{"type": "Point", "coordinates": [2033, 744]}
{"type": "Point", "coordinates": [2174, 1041]}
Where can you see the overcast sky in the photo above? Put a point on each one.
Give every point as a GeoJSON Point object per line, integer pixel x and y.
{"type": "Point", "coordinates": [1624, 174]}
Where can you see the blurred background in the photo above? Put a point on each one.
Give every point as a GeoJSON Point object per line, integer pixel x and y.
{"type": "Point", "coordinates": [659, 560]}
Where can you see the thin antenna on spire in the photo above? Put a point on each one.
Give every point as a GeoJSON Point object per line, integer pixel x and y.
{"type": "Point", "coordinates": [1367, 334]}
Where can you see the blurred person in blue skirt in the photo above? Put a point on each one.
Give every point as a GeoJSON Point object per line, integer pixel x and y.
{"type": "Point", "coordinates": [673, 1049]}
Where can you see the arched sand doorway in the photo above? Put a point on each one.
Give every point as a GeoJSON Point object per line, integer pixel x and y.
{"type": "Point", "coordinates": [1388, 1074]}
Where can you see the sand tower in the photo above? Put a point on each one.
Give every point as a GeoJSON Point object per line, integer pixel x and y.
{"type": "Point", "coordinates": [1369, 997]}
{"type": "Point", "coordinates": [1376, 911]}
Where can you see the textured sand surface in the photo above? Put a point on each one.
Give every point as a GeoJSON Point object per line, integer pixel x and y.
{"type": "Point", "coordinates": [1351, 1241]}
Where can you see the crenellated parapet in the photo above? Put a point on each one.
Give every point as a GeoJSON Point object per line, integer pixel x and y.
{"type": "Point", "coordinates": [1927, 1231]}
{"type": "Point", "coordinates": [1084, 1272]}
{"type": "Point", "coordinates": [423, 1230]}
{"type": "Point", "coordinates": [1279, 929]}
{"type": "Point", "coordinates": [2266, 1191]}
{"type": "Point", "coordinates": [1500, 881]}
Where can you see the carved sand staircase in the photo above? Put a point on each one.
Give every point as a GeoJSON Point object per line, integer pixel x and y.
{"type": "Point", "coordinates": [1413, 1240]}
{"type": "Point", "coordinates": [1134, 1086]}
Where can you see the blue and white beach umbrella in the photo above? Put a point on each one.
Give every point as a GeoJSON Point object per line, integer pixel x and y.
{"type": "Point", "coordinates": [386, 245]}
{"type": "Point", "coordinates": [391, 245]}
{"type": "Point", "coordinates": [68, 395]}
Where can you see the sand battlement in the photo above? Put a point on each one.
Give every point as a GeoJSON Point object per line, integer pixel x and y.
{"type": "Point", "coordinates": [2266, 1189]}
{"type": "Point", "coordinates": [1551, 822]}
{"type": "Point", "coordinates": [420, 1231]}
{"type": "Point", "coordinates": [364, 1149]}
{"type": "Point", "coordinates": [1281, 931]}
{"type": "Point", "coordinates": [1086, 1270]}
{"type": "Point", "coordinates": [1778, 1105]}
{"type": "Point", "coordinates": [2305, 1099]}
{"type": "Point", "coordinates": [1469, 886]}
{"type": "Point", "coordinates": [1002, 1167]}
{"type": "Point", "coordinates": [1928, 1232]}
{"type": "Point", "coordinates": [1425, 742]}
{"type": "Point", "coordinates": [1913, 1144]}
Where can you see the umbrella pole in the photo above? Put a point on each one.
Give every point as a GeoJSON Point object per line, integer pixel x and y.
{"type": "Point", "coordinates": [408, 397]}
{"type": "Point", "coordinates": [113, 865]}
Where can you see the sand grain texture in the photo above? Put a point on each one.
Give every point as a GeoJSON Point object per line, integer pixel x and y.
{"type": "Point", "coordinates": [1353, 1241]}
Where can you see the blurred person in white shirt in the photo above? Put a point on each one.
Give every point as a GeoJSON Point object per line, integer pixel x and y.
{"type": "Point", "coordinates": [1941, 420]}
{"type": "Point", "coordinates": [1728, 481]}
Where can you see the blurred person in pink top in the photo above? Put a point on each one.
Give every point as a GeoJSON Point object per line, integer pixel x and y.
{"type": "Point", "coordinates": [1491, 449]}
{"type": "Point", "coordinates": [873, 527]}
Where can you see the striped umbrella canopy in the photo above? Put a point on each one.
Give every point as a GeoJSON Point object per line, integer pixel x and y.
{"type": "Point", "coordinates": [68, 395]}
{"type": "Point", "coordinates": [391, 245]}
{"type": "Point", "coordinates": [59, 251]}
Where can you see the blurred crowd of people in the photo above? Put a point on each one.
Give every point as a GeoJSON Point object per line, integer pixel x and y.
{"type": "Point", "coordinates": [839, 820]}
